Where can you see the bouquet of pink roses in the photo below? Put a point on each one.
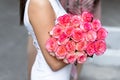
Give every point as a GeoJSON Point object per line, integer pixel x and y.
{"type": "Point", "coordinates": [76, 37]}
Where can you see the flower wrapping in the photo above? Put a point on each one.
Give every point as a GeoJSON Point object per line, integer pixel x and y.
{"type": "Point", "coordinates": [76, 37]}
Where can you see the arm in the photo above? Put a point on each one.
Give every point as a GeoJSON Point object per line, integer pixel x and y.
{"type": "Point", "coordinates": [42, 18]}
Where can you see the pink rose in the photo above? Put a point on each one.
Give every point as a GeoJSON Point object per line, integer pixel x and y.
{"type": "Point", "coordinates": [51, 45]}
{"type": "Point", "coordinates": [64, 20]}
{"type": "Point", "coordinates": [100, 47]}
{"type": "Point", "coordinates": [87, 17]}
{"type": "Point", "coordinates": [96, 25]}
{"type": "Point", "coordinates": [90, 49]}
{"type": "Point", "coordinates": [91, 35]}
{"type": "Point", "coordinates": [70, 58]}
{"type": "Point", "coordinates": [86, 26]}
{"type": "Point", "coordinates": [68, 30]}
{"type": "Point", "coordinates": [102, 34]}
{"type": "Point", "coordinates": [70, 46]}
{"type": "Point", "coordinates": [56, 31]}
{"type": "Point", "coordinates": [63, 39]}
{"type": "Point", "coordinates": [81, 57]}
{"type": "Point", "coordinates": [61, 52]}
{"type": "Point", "coordinates": [81, 46]}
{"type": "Point", "coordinates": [76, 20]}
{"type": "Point", "coordinates": [77, 35]}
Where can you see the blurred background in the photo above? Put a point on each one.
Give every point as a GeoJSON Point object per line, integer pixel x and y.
{"type": "Point", "coordinates": [13, 43]}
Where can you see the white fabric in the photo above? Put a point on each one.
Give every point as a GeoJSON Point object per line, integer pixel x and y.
{"type": "Point", "coordinates": [40, 69]}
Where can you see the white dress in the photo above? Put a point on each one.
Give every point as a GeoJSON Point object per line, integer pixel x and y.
{"type": "Point", "coordinates": [40, 69]}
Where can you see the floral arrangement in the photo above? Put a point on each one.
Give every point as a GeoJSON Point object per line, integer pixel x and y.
{"type": "Point", "coordinates": [76, 37]}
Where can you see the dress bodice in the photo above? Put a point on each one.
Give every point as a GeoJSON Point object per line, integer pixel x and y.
{"type": "Point", "coordinates": [41, 70]}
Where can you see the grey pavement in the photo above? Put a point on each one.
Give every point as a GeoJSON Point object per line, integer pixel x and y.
{"type": "Point", "coordinates": [13, 42]}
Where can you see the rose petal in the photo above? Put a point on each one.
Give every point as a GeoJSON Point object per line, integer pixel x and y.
{"type": "Point", "coordinates": [56, 31]}
{"type": "Point", "coordinates": [100, 47]}
{"type": "Point", "coordinates": [81, 46]}
{"type": "Point", "coordinates": [68, 30]}
{"type": "Point", "coordinates": [102, 34]}
{"type": "Point", "coordinates": [63, 39]}
{"type": "Point", "coordinates": [82, 57]}
{"type": "Point", "coordinates": [90, 49]}
{"type": "Point", "coordinates": [96, 25]}
{"type": "Point", "coordinates": [77, 35]}
{"type": "Point", "coordinates": [87, 16]}
{"type": "Point", "coordinates": [71, 58]}
{"type": "Point", "coordinates": [64, 20]}
{"type": "Point", "coordinates": [76, 20]}
{"type": "Point", "coordinates": [61, 52]}
{"type": "Point", "coordinates": [86, 26]}
{"type": "Point", "coordinates": [70, 46]}
{"type": "Point", "coordinates": [51, 45]}
{"type": "Point", "coordinates": [91, 35]}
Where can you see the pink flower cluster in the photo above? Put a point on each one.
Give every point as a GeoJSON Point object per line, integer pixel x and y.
{"type": "Point", "coordinates": [76, 37]}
